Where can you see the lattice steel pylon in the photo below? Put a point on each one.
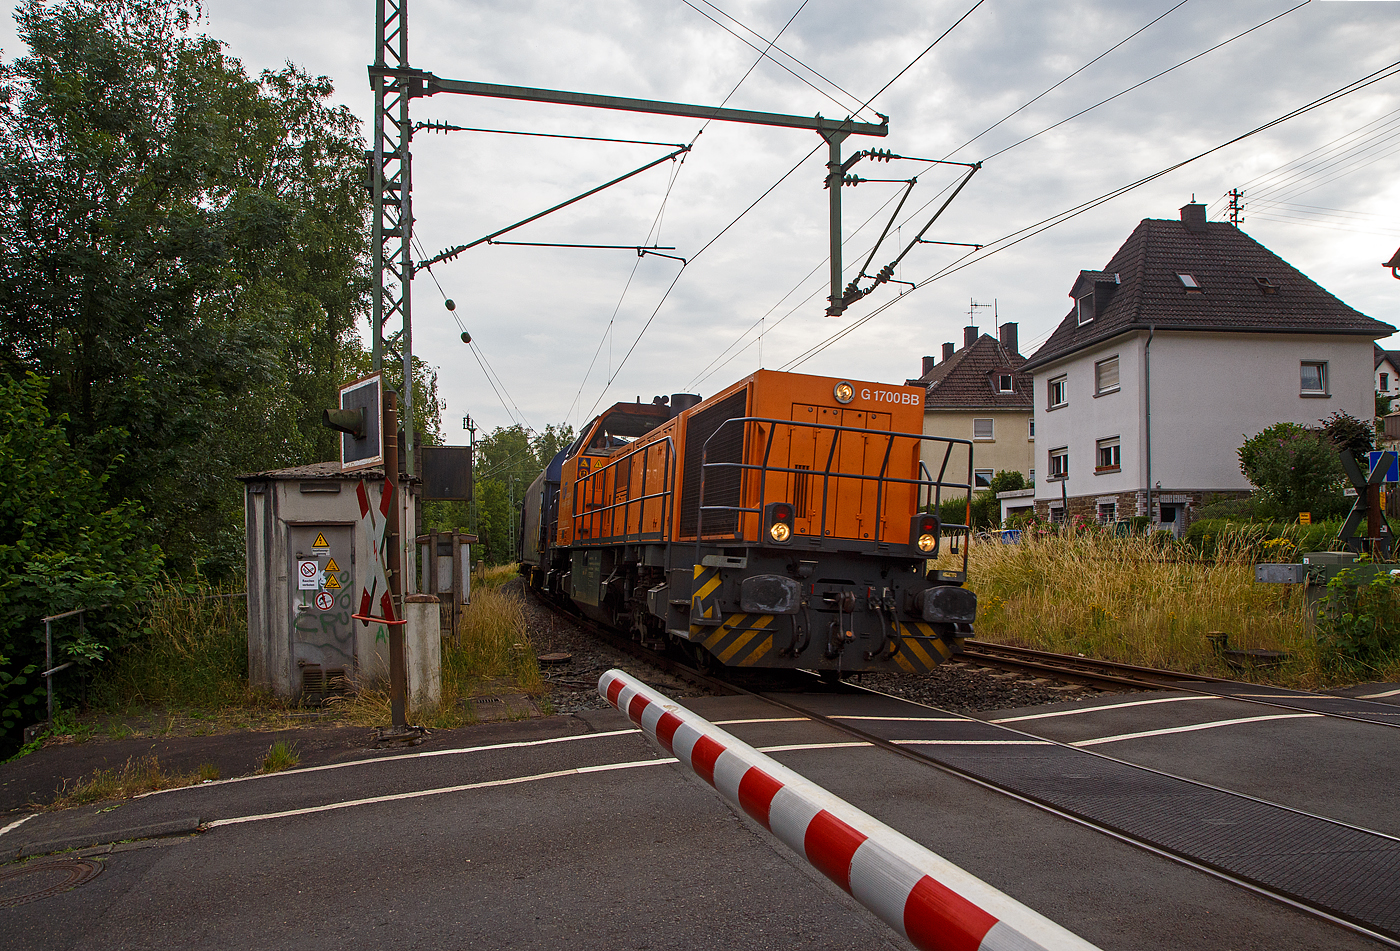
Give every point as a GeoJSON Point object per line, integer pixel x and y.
{"type": "Point", "coordinates": [394, 83]}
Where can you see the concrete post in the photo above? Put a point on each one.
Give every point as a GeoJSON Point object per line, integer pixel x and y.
{"type": "Point", "coordinates": [423, 649]}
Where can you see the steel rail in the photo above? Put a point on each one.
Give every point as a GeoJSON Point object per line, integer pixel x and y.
{"type": "Point", "coordinates": [642, 653]}
{"type": "Point", "coordinates": [1090, 670]}
{"type": "Point", "coordinates": [907, 753]}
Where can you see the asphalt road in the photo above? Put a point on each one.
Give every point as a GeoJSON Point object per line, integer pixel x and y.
{"type": "Point", "coordinates": [574, 831]}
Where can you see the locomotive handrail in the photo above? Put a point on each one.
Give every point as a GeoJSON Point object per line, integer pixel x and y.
{"type": "Point", "coordinates": [935, 487]}
{"type": "Point", "coordinates": [595, 515]}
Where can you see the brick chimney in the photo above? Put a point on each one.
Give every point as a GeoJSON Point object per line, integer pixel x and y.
{"type": "Point", "coordinates": [969, 336]}
{"type": "Point", "coordinates": [1007, 332]}
{"type": "Point", "coordinates": [1193, 216]}
{"type": "Point", "coordinates": [948, 351]}
{"type": "Point", "coordinates": [928, 364]}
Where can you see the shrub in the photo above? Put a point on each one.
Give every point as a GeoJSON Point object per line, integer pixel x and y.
{"type": "Point", "coordinates": [1294, 468]}
{"type": "Point", "coordinates": [1360, 623]}
{"type": "Point", "coordinates": [63, 545]}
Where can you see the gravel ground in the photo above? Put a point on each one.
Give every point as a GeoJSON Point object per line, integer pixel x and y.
{"type": "Point", "coordinates": [958, 687]}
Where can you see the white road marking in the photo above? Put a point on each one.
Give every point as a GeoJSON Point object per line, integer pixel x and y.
{"type": "Point", "coordinates": [422, 793]}
{"type": "Point", "coordinates": [906, 719]}
{"type": "Point", "coordinates": [1188, 729]}
{"type": "Point", "coordinates": [762, 720]}
{"type": "Point", "coordinates": [972, 742]}
{"type": "Point", "coordinates": [17, 823]}
{"type": "Point", "coordinates": [519, 744]}
{"type": "Point", "coordinates": [1108, 706]}
{"type": "Point", "coordinates": [1378, 696]}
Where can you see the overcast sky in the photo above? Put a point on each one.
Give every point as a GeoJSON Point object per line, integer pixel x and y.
{"type": "Point", "coordinates": [556, 324]}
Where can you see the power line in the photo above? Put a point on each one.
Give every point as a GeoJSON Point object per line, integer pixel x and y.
{"type": "Point", "coordinates": [772, 45]}
{"type": "Point", "coordinates": [1045, 224]}
{"type": "Point", "coordinates": [924, 53]}
{"type": "Point", "coordinates": [1042, 95]}
{"type": "Point", "coordinates": [1147, 80]}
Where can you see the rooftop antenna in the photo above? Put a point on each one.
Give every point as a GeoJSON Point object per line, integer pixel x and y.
{"type": "Point", "coordinates": [972, 306]}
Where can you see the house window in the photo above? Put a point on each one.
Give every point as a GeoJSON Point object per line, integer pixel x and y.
{"type": "Point", "coordinates": [982, 478]}
{"type": "Point", "coordinates": [1106, 457]}
{"type": "Point", "coordinates": [1314, 378]}
{"type": "Point", "coordinates": [1190, 283]}
{"type": "Point", "coordinates": [1108, 512]}
{"type": "Point", "coordinates": [1385, 382]}
{"type": "Point", "coordinates": [1059, 391]}
{"type": "Point", "coordinates": [1266, 286]}
{"type": "Point", "coordinates": [1059, 463]}
{"type": "Point", "coordinates": [1031, 480]}
{"type": "Point", "coordinates": [1084, 306]}
{"type": "Point", "coordinates": [1030, 428]}
{"type": "Point", "coordinates": [1006, 383]}
{"type": "Point", "coordinates": [1057, 514]}
{"type": "Point", "coordinates": [1106, 376]}
{"type": "Point", "coordinates": [983, 429]}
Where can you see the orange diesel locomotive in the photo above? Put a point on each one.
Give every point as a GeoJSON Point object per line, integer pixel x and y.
{"type": "Point", "coordinates": [786, 521]}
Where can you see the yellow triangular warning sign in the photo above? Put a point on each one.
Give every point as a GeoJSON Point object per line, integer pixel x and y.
{"type": "Point", "coordinates": [332, 566]}
{"type": "Point", "coordinates": [331, 582]}
{"type": "Point", "coordinates": [320, 541]}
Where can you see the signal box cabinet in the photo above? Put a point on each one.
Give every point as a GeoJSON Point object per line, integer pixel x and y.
{"type": "Point", "coordinates": [309, 555]}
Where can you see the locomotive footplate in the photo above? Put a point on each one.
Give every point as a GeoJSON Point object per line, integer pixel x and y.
{"type": "Point", "coordinates": [760, 615]}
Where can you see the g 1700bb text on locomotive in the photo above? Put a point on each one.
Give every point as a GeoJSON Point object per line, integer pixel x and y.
{"type": "Point", "coordinates": [786, 521]}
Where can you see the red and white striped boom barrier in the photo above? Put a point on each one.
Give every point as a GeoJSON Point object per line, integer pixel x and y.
{"type": "Point", "coordinates": [923, 896]}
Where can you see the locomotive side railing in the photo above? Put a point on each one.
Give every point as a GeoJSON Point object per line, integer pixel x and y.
{"type": "Point", "coordinates": [928, 491]}
{"type": "Point", "coordinates": [591, 517]}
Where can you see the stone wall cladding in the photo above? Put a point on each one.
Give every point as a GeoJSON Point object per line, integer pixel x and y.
{"type": "Point", "coordinates": [1135, 503]}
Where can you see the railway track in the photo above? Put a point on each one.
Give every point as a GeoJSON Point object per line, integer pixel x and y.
{"type": "Point", "coordinates": [1110, 673]}
{"type": "Point", "coordinates": [1167, 833]}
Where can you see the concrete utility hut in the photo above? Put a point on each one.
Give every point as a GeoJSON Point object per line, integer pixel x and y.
{"type": "Point", "coordinates": [302, 640]}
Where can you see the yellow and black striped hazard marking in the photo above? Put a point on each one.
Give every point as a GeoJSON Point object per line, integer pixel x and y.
{"type": "Point", "coordinates": [923, 651]}
{"type": "Point", "coordinates": [704, 601]}
{"type": "Point", "coordinates": [741, 640]}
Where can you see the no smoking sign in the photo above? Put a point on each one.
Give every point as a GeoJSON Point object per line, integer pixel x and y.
{"type": "Point", "coordinates": [308, 574]}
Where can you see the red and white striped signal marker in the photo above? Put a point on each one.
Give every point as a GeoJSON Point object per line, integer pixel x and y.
{"type": "Point", "coordinates": [923, 896]}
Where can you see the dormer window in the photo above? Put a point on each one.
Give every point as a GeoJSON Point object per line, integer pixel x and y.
{"type": "Point", "coordinates": [1190, 283]}
{"type": "Point", "coordinates": [1085, 308]}
{"type": "Point", "coordinates": [1006, 383]}
{"type": "Point", "coordinates": [1266, 286]}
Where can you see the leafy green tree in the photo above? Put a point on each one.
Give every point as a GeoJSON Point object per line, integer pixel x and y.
{"type": "Point", "coordinates": [507, 461]}
{"type": "Point", "coordinates": [1345, 431]}
{"type": "Point", "coordinates": [182, 255]}
{"type": "Point", "coordinates": [63, 545]}
{"type": "Point", "coordinates": [1295, 469]}
{"type": "Point", "coordinates": [986, 508]}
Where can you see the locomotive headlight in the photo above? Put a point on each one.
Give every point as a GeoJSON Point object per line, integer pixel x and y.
{"type": "Point", "coordinates": [778, 516]}
{"type": "Point", "coordinates": [924, 532]}
{"type": "Point", "coordinates": [844, 392]}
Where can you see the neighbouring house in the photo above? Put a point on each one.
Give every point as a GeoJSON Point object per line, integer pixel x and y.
{"type": "Point", "coordinates": [1387, 372]}
{"type": "Point", "coordinates": [981, 393]}
{"type": "Point", "coordinates": [1192, 338]}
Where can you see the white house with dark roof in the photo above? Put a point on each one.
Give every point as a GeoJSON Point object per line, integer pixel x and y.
{"type": "Point", "coordinates": [1192, 338]}
{"type": "Point", "coordinates": [1387, 372]}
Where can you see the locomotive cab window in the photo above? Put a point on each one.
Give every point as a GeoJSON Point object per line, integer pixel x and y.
{"type": "Point", "coordinates": [617, 428]}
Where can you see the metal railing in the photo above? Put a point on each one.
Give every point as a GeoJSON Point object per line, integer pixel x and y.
{"type": "Point", "coordinates": [929, 491]}
{"type": "Point", "coordinates": [593, 516]}
{"type": "Point", "coordinates": [50, 669]}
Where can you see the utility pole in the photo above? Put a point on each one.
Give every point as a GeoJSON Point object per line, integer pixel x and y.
{"type": "Point", "coordinates": [1236, 207]}
{"type": "Point", "coordinates": [394, 84]}
{"type": "Point", "coordinates": [469, 425]}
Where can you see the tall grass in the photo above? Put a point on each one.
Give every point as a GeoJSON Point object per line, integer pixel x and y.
{"type": "Point", "coordinates": [1141, 600]}
{"type": "Point", "coordinates": [491, 654]}
{"type": "Point", "coordinates": [194, 652]}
